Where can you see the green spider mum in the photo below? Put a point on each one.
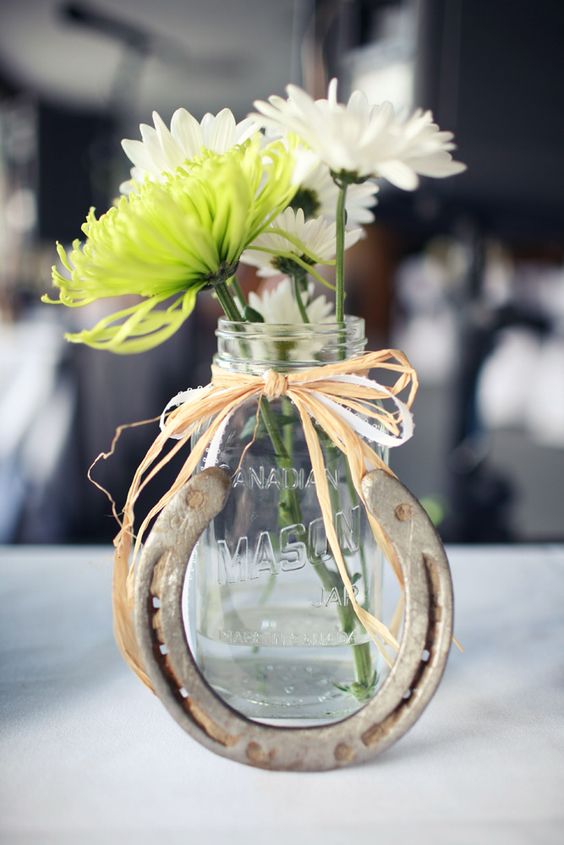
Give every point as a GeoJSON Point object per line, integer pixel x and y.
{"type": "Point", "coordinates": [168, 240]}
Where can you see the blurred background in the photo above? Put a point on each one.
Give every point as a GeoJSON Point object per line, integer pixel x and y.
{"type": "Point", "coordinates": [466, 275]}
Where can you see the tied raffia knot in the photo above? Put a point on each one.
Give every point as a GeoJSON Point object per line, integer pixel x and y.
{"type": "Point", "coordinates": [275, 384]}
{"type": "Point", "coordinates": [356, 414]}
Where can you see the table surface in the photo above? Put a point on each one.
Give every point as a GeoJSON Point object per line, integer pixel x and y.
{"type": "Point", "coordinates": [88, 755]}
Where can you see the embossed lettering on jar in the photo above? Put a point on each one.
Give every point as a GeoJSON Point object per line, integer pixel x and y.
{"type": "Point", "coordinates": [266, 611]}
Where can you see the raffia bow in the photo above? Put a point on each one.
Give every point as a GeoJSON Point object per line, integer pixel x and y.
{"type": "Point", "coordinates": [342, 400]}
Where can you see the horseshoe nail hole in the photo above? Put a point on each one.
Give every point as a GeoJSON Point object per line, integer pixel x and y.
{"type": "Point", "coordinates": [183, 692]}
{"type": "Point", "coordinates": [195, 499]}
{"type": "Point", "coordinates": [163, 649]}
{"type": "Point", "coordinates": [426, 656]}
{"type": "Point", "coordinates": [156, 602]}
{"type": "Point", "coordinates": [403, 512]}
{"type": "Point", "coordinates": [344, 753]}
{"type": "Point", "coordinates": [407, 695]}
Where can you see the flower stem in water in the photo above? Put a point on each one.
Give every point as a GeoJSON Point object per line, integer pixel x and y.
{"type": "Point", "coordinates": [340, 255]}
{"type": "Point", "coordinates": [364, 672]}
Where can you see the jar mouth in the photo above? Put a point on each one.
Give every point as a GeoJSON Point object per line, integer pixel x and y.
{"type": "Point", "coordinates": [254, 347]}
{"type": "Point", "coordinates": [352, 325]}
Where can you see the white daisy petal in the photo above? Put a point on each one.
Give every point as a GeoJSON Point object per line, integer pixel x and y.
{"type": "Point", "coordinates": [352, 236]}
{"type": "Point", "coordinates": [358, 104]}
{"type": "Point", "coordinates": [363, 140]}
{"type": "Point", "coordinates": [332, 92]}
{"type": "Point", "coordinates": [187, 132]}
{"type": "Point", "coordinates": [148, 134]}
{"type": "Point", "coordinates": [245, 129]}
{"type": "Point", "coordinates": [306, 163]}
{"type": "Point", "coordinates": [222, 131]}
{"type": "Point", "coordinates": [153, 148]}
{"type": "Point", "coordinates": [137, 152]}
{"type": "Point", "coordinates": [171, 151]}
{"type": "Point", "coordinates": [278, 305]}
{"type": "Point", "coordinates": [316, 236]}
{"type": "Point", "coordinates": [400, 175]}
{"type": "Point", "coordinates": [161, 150]}
{"type": "Point", "coordinates": [438, 165]}
{"type": "Point", "coordinates": [320, 191]}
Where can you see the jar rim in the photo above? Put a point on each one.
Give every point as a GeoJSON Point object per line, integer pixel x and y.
{"type": "Point", "coordinates": [351, 322]}
{"type": "Point", "coordinates": [285, 346]}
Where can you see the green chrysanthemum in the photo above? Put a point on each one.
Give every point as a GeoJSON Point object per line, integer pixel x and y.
{"type": "Point", "coordinates": [168, 240]}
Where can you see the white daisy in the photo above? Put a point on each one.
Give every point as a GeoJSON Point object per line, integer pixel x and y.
{"type": "Point", "coordinates": [292, 241]}
{"type": "Point", "coordinates": [162, 150]}
{"type": "Point", "coordinates": [279, 306]}
{"type": "Point", "coordinates": [317, 196]}
{"type": "Point", "coordinates": [363, 140]}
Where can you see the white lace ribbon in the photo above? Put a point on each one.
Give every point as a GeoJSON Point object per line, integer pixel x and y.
{"type": "Point", "coordinates": [371, 431]}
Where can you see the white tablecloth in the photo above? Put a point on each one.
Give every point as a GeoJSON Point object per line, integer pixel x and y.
{"type": "Point", "coordinates": [88, 755]}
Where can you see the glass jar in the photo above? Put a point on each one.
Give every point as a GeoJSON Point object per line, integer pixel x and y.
{"type": "Point", "coordinates": [265, 609]}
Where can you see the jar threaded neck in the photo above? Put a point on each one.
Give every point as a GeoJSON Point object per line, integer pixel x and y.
{"type": "Point", "coordinates": [254, 347]}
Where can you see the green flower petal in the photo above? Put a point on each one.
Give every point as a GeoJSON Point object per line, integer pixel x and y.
{"type": "Point", "coordinates": [172, 238]}
{"type": "Point", "coordinates": [140, 327]}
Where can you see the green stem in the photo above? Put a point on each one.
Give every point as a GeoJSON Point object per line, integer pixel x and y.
{"type": "Point", "coordinates": [286, 507]}
{"type": "Point", "coordinates": [296, 280]}
{"type": "Point", "coordinates": [364, 673]}
{"type": "Point", "coordinates": [280, 451]}
{"type": "Point", "coordinates": [238, 292]}
{"type": "Point", "coordinates": [303, 251]}
{"type": "Point", "coordinates": [227, 302]}
{"type": "Point", "coordinates": [363, 567]}
{"type": "Point", "coordinates": [309, 268]}
{"type": "Point", "coordinates": [340, 255]}
{"type": "Point", "coordinates": [363, 669]}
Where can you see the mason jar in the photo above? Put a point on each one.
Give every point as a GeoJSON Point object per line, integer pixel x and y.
{"type": "Point", "coordinates": [265, 609]}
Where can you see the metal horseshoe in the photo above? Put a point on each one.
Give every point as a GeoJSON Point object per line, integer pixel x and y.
{"type": "Point", "coordinates": [183, 690]}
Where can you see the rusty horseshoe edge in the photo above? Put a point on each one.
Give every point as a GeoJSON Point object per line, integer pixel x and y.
{"type": "Point", "coordinates": [411, 683]}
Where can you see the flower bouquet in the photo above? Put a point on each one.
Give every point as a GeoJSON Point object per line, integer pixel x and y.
{"type": "Point", "coordinates": [282, 607]}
